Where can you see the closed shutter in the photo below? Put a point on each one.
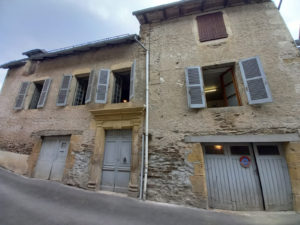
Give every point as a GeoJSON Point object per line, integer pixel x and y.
{"type": "Point", "coordinates": [21, 95]}
{"type": "Point", "coordinates": [44, 93]}
{"type": "Point", "coordinates": [88, 96]}
{"type": "Point", "coordinates": [132, 77]}
{"type": "Point", "coordinates": [194, 87]}
{"type": "Point", "coordinates": [102, 86]}
{"type": "Point", "coordinates": [64, 90]}
{"type": "Point", "coordinates": [255, 81]}
{"type": "Point", "coordinates": [211, 27]}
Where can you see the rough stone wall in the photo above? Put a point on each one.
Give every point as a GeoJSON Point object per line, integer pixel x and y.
{"type": "Point", "coordinates": [21, 130]}
{"type": "Point", "coordinates": [254, 29]}
{"type": "Point", "coordinates": [292, 153]}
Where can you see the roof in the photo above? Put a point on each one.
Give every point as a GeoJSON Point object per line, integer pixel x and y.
{"type": "Point", "coordinates": [185, 7]}
{"type": "Point", "coordinates": [38, 54]}
{"type": "Point", "coordinates": [14, 63]}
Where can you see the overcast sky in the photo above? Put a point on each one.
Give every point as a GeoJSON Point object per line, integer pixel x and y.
{"type": "Point", "coordinates": [51, 24]}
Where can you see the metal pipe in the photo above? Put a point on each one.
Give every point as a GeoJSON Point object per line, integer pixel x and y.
{"type": "Point", "coordinates": [146, 120]}
{"type": "Point", "coordinates": [142, 168]}
{"type": "Point", "coordinates": [279, 4]}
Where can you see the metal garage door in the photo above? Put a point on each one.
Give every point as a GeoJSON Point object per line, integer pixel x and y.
{"type": "Point", "coordinates": [116, 163]}
{"type": "Point", "coordinates": [52, 158]}
{"type": "Point", "coordinates": [236, 184]}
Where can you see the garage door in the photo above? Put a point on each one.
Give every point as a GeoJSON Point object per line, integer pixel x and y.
{"type": "Point", "coordinates": [52, 158]}
{"type": "Point", "coordinates": [236, 182]}
{"type": "Point", "coordinates": [116, 163]}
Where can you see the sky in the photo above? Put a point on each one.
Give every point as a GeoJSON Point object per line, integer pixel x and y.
{"type": "Point", "coordinates": [52, 24]}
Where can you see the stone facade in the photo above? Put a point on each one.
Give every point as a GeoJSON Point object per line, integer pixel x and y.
{"type": "Point", "coordinates": [176, 171]}
{"type": "Point", "coordinates": [176, 168]}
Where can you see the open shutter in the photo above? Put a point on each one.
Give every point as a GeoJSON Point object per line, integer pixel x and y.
{"type": "Point", "coordinates": [102, 86]}
{"type": "Point", "coordinates": [64, 90]}
{"type": "Point", "coordinates": [44, 93]}
{"type": "Point", "coordinates": [88, 96]}
{"type": "Point", "coordinates": [194, 87]}
{"type": "Point", "coordinates": [132, 77]}
{"type": "Point", "coordinates": [255, 81]}
{"type": "Point", "coordinates": [21, 95]}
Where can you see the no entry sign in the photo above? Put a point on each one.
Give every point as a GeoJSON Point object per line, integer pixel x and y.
{"type": "Point", "coordinates": [245, 161]}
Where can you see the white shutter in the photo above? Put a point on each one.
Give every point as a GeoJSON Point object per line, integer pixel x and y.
{"type": "Point", "coordinates": [132, 77]}
{"type": "Point", "coordinates": [64, 90]}
{"type": "Point", "coordinates": [21, 95]}
{"type": "Point", "coordinates": [88, 96]}
{"type": "Point", "coordinates": [44, 93]}
{"type": "Point", "coordinates": [194, 87]}
{"type": "Point", "coordinates": [102, 86]}
{"type": "Point", "coordinates": [255, 81]}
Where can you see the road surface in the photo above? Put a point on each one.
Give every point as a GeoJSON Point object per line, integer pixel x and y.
{"type": "Point", "coordinates": [25, 201]}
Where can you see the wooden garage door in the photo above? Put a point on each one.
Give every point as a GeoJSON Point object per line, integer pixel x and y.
{"type": "Point", "coordinates": [231, 186]}
{"type": "Point", "coordinates": [274, 177]}
{"type": "Point", "coordinates": [52, 158]}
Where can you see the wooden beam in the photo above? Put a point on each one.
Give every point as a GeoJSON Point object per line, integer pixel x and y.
{"type": "Point", "coordinates": [225, 3]}
{"type": "Point", "coordinates": [203, 5]}
{"type": "Point", "coordinates": [243, 138]}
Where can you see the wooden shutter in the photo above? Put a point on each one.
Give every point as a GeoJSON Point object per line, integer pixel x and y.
{"type": "Point", "coordinates": [132, 77]}
{"type": "Point", "coordinates": [44, 93]}
{"type": "Point", "coordinates": [88, 96]}
{"type": "Point", "coordinates": [255, 81]}
{"type": "Point", "coordinates": [211, 27]}
{"type": "Point", "coordinates": [64, 90]}
{"type": "Point", "coordinates": [21, 95]}
{"type": "Point", "coordinates": [102, 86]}
{"type": "Point", "coordinates": [194, 87]}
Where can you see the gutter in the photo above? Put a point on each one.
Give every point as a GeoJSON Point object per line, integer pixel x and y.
{"type": "Point", "coordinates": [147, 119]}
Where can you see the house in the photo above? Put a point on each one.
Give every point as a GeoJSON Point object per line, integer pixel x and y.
{"type": "Point", "coordinates": [218, 118]}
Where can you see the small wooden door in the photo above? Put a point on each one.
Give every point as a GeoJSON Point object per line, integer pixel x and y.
{"type": "Point", "coordinates": [274, 176]}
{"type": "Point", "coordinates": [117, 161]}
{"type": "Point", "coordinates": [52, 158]}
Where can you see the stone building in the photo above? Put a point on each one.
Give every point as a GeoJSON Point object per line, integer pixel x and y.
{"type": "Point", "coordinates": [224, 106]}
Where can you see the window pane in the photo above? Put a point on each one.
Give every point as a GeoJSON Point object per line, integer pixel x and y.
{"type": "Point", "coordinates": [214, 149]}
{"type": "Point", "coordinates": [268, 150]}
{"type": "Point", "coordinates": [239, 150]}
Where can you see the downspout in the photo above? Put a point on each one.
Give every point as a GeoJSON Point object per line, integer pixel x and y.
{"type": "Point", "coordinates": [146, 119]}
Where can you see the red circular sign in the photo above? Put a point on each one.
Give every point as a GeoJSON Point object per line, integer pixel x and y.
{"type": "Point", "coordinates": [245, 161]}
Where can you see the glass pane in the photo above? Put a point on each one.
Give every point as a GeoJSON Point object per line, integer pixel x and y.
{"type": "Point", "coordinates": [239, 150]}
{"type": "Point", "coordinates": [268, 150]}
{"type": "Point", "coordinates": [214, 149]}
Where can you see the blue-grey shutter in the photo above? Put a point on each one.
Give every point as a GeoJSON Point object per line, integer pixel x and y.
{"type": "Point", "coordinates": [88, 96]}
{"type": "Point", "coordinates": [21, 95]}
{"type": "Point", "coordinates": [255, 81]}
{"type": "Point", "coordinates": [132, 77]}
{"type": "Point", "coordinates": [64, 90]}
{"type": "Point", "coordinates": [44, 93]}
{"type": "Point", "coordinates": [194, 87]}
{"type": "Point", "coordinates": [102, 86]}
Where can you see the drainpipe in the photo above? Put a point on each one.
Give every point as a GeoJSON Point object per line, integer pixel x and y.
{"type": "Point", "coordinates": [147, 119]}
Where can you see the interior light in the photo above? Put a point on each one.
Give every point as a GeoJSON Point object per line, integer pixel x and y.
{"type": "Point", "coordinates": [218, 147]}
{"type": "Point", "coordinates": [124, 100]}
{"type": "Point", "coordinates": [210, 90]}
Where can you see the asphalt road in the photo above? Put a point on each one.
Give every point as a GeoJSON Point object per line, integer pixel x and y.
{"type": "Point", "coordinates": [25, 201]}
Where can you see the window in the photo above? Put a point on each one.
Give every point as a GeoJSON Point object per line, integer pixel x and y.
{"type": "Point", "coordinates": [122, 87]}
{"type": "Point", "coordinates": [211, 27]}
{"type": "Point", "coordinates": [217, 85]}
{"type": "Point", "coordinates": [220, 87]}
{"type": "Point", "coordinates": [38, 86]}
{"type": "Point", "coordinates": [81, 89]}
{"type": "Point", "coordinates": [214, 149]}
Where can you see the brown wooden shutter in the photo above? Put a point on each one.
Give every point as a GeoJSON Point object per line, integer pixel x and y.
{"type": "Point", "coordinates": [211, 27]}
